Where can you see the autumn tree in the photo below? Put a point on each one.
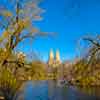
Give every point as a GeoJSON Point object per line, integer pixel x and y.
{"type": "Point", "coordinates": [87, 70]}
{"type": "Point", "coordinates": [94, 50]}
{"type": "Point", "coordinates": [17, 23]}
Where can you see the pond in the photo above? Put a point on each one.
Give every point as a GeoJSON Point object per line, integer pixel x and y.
{"type": "Point", "coordinates": [50, 90]}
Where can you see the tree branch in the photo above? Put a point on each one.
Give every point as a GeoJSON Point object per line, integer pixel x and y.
{"type": "Point", "coordinates": [18, 40]}
{"type": "Point", "coordinates": [29, 35]}
{"type": "Point", "coordinates": [16, 62]}
{"type": "Point", "coordinates": [26, 36]}
{"type": "Point", "coordinates": [92, 55]}
{"type": "Point", "coordinates": [17, 11]}
{"type": "Point", "coordinates": [92, 41]}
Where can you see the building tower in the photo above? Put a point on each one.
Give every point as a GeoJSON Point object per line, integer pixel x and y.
{"type": "Point", "coordinates": [51, 57]}
{"type": "Point", "coordinates": [57, 56]}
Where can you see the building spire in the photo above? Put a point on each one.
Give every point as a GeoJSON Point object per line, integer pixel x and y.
{"type": "Point", "coordinates": [57, 56]}
{"type": "Point", "coordinates": [54, 61]}
{"type": "Point", "coordinates": [51, 57]}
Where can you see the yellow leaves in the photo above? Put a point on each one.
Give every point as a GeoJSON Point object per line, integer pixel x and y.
{"type": "Point", "coordinates": [38, 70]}
{"type": "Point", "coordinates": [1, 39]}
{"type": "Point", "coordinates": [87, 81]}
{"type": "Point", "coordinates": [20, 24]}
{"type": "Point", "coordinates": [26, 22]}
{"type": "Point", "coordinates": [7, 79]}
{"type": "Point", "coordinates": [4, 54]}
{"type": "Point", "coordinates": [21, 57]}
{"type": "Point", "coordinates": [7, 13]}
{"type": "Point", "coordinates": [18, 27]}
{"type": "Point", "coordinates": [5, 34]}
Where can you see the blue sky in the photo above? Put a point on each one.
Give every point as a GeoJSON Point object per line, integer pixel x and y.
{"type": "Point", "coordinates": [70, 19]}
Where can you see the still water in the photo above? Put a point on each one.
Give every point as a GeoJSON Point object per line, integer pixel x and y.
{"type": "Point", "coordinates": [49, 90]}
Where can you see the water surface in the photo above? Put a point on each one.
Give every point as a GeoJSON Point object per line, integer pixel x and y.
{"type": "Point", "coordinates": [49, 90]}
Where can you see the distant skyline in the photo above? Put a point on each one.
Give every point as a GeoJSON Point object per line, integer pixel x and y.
{"type": "Point", "coordinates": [70, 19]}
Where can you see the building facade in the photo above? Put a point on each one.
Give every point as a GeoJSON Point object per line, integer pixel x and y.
{"type": "Point", "coordinates": [54, 65]}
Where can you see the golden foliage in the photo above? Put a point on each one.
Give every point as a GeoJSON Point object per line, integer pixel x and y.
{"type": "Point", "coordinates": [7, 79]}
{"type": "Point", "coordinates": [13, 32]}
{"type": "Point", "coordinates": [86, 75]}
{"type": "Point", "coordinates": [5, 34]}
{"type": "Point", "coordinates": [7, 13]}
{"type": "Point", "coordinates": [8, 84]}
{"type": "Point", "coordinates": [38, 71]}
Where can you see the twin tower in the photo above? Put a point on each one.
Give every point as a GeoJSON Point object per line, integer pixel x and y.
{"type": "Point", "coordinates": [54, 61]}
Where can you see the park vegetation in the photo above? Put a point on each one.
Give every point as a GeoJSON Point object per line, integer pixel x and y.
{"type": "Point", "coordinates": [86, 71]}
{"type": "Point", "coordinates": [16, 25]}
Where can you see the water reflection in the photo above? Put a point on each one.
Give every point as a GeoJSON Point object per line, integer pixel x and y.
{"type": "Point", "coordinates": [92, 90]}
{"type": "Point", "coordinates": [49, 90]}
{"type": "Point", "coordinates": [37, 90]}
